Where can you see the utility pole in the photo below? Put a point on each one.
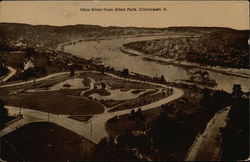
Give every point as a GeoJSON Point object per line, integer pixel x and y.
{"type": "Point", "coordinates": [21, 104]}
{"type": "Point", "coordinates": [46, 97]}
{"type": "Point", "coordinates": [48, 113]}
{"type": "Point", "coordinates": [20, 107]}
{"type": "Point", "coordinates": [91, 131]}
{"type": "Point", "coordinates": [20, 110]}
{"type": "Point", "coordinates": [1, 147]}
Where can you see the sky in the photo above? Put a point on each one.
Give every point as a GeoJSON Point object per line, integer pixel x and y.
{"type": "Point", "coordinates": [233, 14]}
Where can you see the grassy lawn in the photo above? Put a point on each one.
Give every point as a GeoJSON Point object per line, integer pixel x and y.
{"type": "Point", "coordinates": [80, 118]}
{"type": "Point", "coordinates": [144, 99]}
{"type": "Point", "coordinates": [111, 103]}
{"type": "Point", "coordinates": [115, 83]}
{"type": "Point", "coordinates": [45, 142]}
{"type": "Point", "coordinates": [57, 102]}
{"type": "Point", "coordinates": [69, 101]}
{"type": "Point", "coordinates": [102, 92]}
{"type": "Point", "coordinates": [6, 119]}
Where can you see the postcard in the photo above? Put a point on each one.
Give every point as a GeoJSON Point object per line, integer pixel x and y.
{"type": "Point", "coordinates": [124, 80]}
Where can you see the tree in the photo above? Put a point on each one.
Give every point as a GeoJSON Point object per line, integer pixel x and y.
{"type": "Point", "coordinates": [102, 70]}
{"type": "Point", "coordinates": [125, 72]}
{"type": "Point", "coordinates": [72, 71]}
{"type": "Point", "coordinates": [30, 52]}
{"type": "Point", "coordinates": [139, 114]}
{"type": "Point", "coordinates": [163, 78]}
{"type": "Point", "coordinates": [3, 111]}
{"type": "Point", "coordinates": [103, 85]}
{"type": "Point", "coordinates": [237, 91]}
{"type": "Point", "coordinates": [132, 114]}
{"type": "Point", "coordinates": [28, 74]}
{"type": "Point", "coordinates": [106, 150]}
{"type": "Point", "coordinates": [235, 136]}
{"type": "Point", "coordinates": [205, 100]}
{"type": "Point", "coordinates": [3, 69]}
{"type": "Point", "coordinates": [112, 69]}
{"type": "Point", "coordinates": [103, 143]}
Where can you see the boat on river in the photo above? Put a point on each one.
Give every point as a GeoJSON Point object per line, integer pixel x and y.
{"type": "Point", "coordinates": [201, 77]}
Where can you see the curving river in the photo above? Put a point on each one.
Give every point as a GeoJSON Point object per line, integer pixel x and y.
{"type": "Point", "coordinates": [109, 51]}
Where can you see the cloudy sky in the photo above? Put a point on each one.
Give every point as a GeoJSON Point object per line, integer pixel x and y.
{"type": "Point", "coordinates": [234, 14]}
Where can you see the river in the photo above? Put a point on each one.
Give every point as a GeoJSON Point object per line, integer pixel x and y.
{"type": "Point", "coordinates": [109, 51]}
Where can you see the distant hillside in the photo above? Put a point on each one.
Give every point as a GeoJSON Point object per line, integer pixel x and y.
{"type": "Point", "coordinates": [44, 36]}
{"type": "Point", "coordinates": [211, 46]}
{"type": "Point", "coordinates": [201, 30]}
{"type": "Point", "coordinates": [205, 45]}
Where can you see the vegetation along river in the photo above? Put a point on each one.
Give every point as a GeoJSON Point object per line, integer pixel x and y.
{"type": "Point", "coordinates": [109, 51]}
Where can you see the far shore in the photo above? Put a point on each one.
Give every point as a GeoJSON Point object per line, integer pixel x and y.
{"type": "Point", "coordinates": [223, 70]}
{"type": "Point", "coordinates": [185, 64]}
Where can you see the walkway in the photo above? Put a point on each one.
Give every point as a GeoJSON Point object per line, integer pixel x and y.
{"type": "Point", "coordinates": [82, 128]}
{"type": "Point", "coordinates": [9, 75]}
{"type": "Point", "coordinates": [207, 146]}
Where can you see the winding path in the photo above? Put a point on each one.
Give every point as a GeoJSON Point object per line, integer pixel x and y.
{"type": "Point", "coordinates": [82, 128]}
{"type": "Point", "coordinates": [9, 75]}
{"type": "Point", "coordinates": [31, 81]}
{"type": "Point", "coordinates": [98, 122]}
{"type": "Point", "coordinates": [207, 145]}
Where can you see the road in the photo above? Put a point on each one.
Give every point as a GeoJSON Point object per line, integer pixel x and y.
{"type": "Point", "coordinates": [207, 145]}
{"type": "Point", "coordinates": [82, 128]}
{"type": "Point", "coordinates": [98, 121]}
{"type": "Point", "coordinates": [9, 75]}
{"type": "Point", "coordinates": [39, 79]}
{"type": "Point", "coordinates": [31, 81]}
{"type": "Point", "coordinates": [30, 116]}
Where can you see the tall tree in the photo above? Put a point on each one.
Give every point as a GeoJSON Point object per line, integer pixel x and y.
{"type": "Point", "coordinates": [237, 90]}
{"type": "Point", "coordinates": [3, 111]}
{"type": "Point", "coordinates": [125, 72]}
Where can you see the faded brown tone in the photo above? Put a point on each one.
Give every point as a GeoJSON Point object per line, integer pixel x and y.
{"type": "Point", "coordinates": [232, 14]}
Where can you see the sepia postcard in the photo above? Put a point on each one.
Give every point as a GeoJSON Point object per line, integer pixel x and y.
{"type": "Point", "coordinates": [142, 80]}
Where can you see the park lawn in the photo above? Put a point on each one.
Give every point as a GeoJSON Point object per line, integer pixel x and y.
{"type": "Point", "coordinates": [80, 118]}
{"type": "Point", "coordinates": [45, 142]}
{"type": "Point", "coordinates": [142, 100]}
{"type": "Point", "coordinates": [115, 83]}
{"type": "Point", "coordinates": [111, 103]}
{"type": "Point", "coordinates": [54, 102]}
{"type": "Point", "coordinates": [102, 92]}
{"type": "Point", "coordinates": [6, 119]}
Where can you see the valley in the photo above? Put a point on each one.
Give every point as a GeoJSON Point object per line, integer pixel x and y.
{"type": "Point", "coordinates": [125, 93]}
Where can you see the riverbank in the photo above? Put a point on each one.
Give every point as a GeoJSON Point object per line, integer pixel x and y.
{"type": "Point", "coordinates": [61, 46]}
{"type": "Point", "coordinates": [110, 55]}
{"type": "Point", "coordinates": [243, 73]}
